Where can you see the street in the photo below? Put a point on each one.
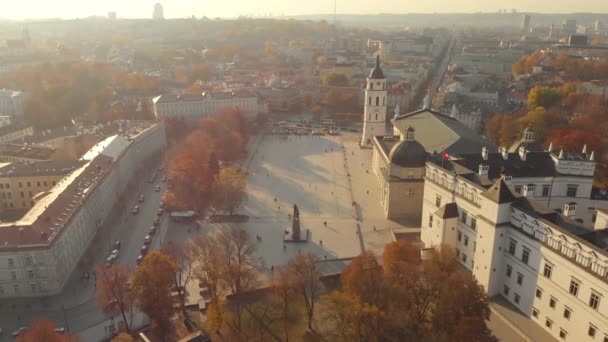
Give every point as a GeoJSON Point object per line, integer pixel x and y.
{"type": "Point", "coordinates": [75, 309]}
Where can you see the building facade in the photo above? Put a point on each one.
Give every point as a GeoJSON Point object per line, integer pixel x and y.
{"type": "Point", "coordinates": [553, 269]}
{"type": "Point", "coordinates": [193, 107]}
{"type": "Point", "coordinates": [22, 183]}
{"type": "Point", "coordinates": [11, 103]}
{"type": "Point", "coordinates": [398, 163]}
{"type": "Point", "coordinates": [40, 251]}
{"type": "Point", "coordinates": [374, 114]}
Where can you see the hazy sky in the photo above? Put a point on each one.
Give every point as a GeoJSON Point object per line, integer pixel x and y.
{"type": "Point", "coordinates": [20, 9]}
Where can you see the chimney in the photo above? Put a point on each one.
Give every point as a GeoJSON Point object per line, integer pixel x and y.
{"type": "Point", "coordinates": [561, 154]}
{"type": "Point", "coordinates": [505, 153]}
{"type": "Point", "coordinates": [592, 156]}
{"type": "Point", "coordinates": [585, 149]}
{"type": "Point", "coordinates": [484, 153]}
{"type": "Point", "coordinates": [484, 170]}
{"type": "Point", "coordinates": [522, 153]}
{"type": "Point", "coordinates": [550, 148]}
{"type": "Point", "coordinates": [570, 209]}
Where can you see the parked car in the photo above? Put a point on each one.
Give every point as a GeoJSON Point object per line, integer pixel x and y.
{"type": "Point", "coordinates": [140, 258]}
{"type": "Point", "coordinates": [115, 253]}
{"type": "Point", "coordinates": [157, 188]}
{"type": "Point", "coordinates": [19, 331]}
{"type": "Point", "coordinates": [141, 198]}
{"type": "Point", "coordinates": [152, 230]}
{"type": "Point", "coordinates": [117, 244]}
{"type": "Point", "coordinates": [156, 221]}
{"type": "Point", "coordinates": [144, 250]}
{"type": "Point", "coordinates": [135, 210]}
{"type": "Point", "coordinates": [147, 239]}
{"type": "Point", "coordinates": [60, 330]}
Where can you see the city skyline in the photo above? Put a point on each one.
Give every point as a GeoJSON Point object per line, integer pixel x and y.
{"type": "Point", "coordinates": [66, 9]}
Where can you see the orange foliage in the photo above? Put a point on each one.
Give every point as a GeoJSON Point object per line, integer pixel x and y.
{"type": "Point", "coordinates": [44, 330]}
{"type": "Point", "coordinates": [224, 134]}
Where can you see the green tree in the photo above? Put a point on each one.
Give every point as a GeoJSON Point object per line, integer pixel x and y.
{"type": "Point", "coordinates": [228, 189]}
{"type": "Point", "coordinates": [334, 79]}
{"type": "Point", "coordinates": [545, 97]}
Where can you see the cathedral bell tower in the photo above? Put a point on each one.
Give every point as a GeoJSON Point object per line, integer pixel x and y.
{"type": "Point", "coordinates": [374, 114]}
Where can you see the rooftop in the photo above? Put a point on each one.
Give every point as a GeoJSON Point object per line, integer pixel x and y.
{"type": "Point", "coordinates": [40, 168]}
{"type": "Point", "coordinates": [52, 213]}
{"type": "Point", "coordinates": [39, 152]}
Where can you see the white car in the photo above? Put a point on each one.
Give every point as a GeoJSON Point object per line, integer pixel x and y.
{"type": "Point", "coordinates": [19, 331]}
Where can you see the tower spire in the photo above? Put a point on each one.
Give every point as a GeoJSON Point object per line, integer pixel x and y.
{"type": "Point", "coordinates": [378, 61]}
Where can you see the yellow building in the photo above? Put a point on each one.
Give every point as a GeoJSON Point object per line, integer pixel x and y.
{"type": "Point", "coordinates": [21, 182]}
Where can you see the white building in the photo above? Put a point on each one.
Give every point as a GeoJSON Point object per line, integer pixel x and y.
{"type": "Point", "coordinates": [193, 107]}
{"type": "Point", "coordinates": [374, 114]}
{"type": "Point", "coordinates": [11, 103]}
{"type": "Point", "coordinates": [40, 251]}
{"type": "Point", "coordinates": [551, 267]}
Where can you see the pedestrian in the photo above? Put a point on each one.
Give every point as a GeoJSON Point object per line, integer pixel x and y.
{"type": "Point", "coordinates": [284, 247]}
{"type": "Point", "coordinates": [374, 227]}
{"type": "Point", "coordinates": [325, 223]}
{"type": "Point", "coordinates": [321, 242]}
{"type": "Point", "coordinates": [272, 268]}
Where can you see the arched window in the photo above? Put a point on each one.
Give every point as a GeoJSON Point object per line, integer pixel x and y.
{"type": "Point", "coordinates": [370, 100]}
{"type": "Point", "coordinates": [377, 100]}
{"type": "Point", "coordinates": [376, 116]}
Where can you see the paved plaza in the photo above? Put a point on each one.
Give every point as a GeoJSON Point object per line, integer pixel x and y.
{"type": "Point", "coordinates": [312, 172]}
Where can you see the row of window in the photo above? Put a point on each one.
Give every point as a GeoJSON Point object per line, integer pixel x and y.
{"type": "Point", "coordinates": [29, 184]}
{"type": "Point", "coordinates": [575, 284]}
{"type": "Point", "coordinates": [525, 253]}
{"type": "Point", "coordinates": [563, 334]}
{"type": "Point", "coordinates": [571, 190]}
{"type": "Point", "coordinates": [28, 262]}
{"type": "Point", "coordinates": [17, 288]}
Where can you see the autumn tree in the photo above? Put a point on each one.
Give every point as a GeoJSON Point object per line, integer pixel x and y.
{"type": "Point", "coordinates": [112, 294]}
{"type": "Point", "coordinates": [206, 256]}
{"type": "Point", "coordinates": [335, 79]}
{"type": "Point", "coordinates": [228, 189]}
{"type": "Point", "coordinates": [123, 337]}
{"type": "Point", "coordinates": [151, 289]}
{"type": "Point", "coordinates": [545, 97]}
{"type": "Point", "coordinates": [285, 289]}
{"type": "Point", "coordinates": [44, 330]}
{"type": "Point", "coordinates": [307, 281]}
{"type": "Point", "coordinates": [177, 251]}
{"type": "Point", "coordinates": [216, 314]}
{"type": "Point", "coordinates": [398, 253]}
{"type": "Point", "coordinates": [239, 267]}
{"type": "Point", "coordinates": [347, 318]}
{"type": "Point", "coordinates": [363, 277]}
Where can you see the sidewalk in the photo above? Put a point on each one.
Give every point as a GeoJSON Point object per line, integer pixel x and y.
{"type": "Point", "coordinates": [516, 320]}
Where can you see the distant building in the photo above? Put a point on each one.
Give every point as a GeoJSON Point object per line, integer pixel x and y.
{"type": "Point", "coordinates": [22, 182]}
{"type": "Point", "coordinates": [15, 131]}
{"type": "Point", "coordinates": [279, 100]}
{"type": "Point", "coordinates": [525, 23]}
{"type": "Point", "coordinates": [25, 152]}
{"type": "Point", "coordinates": [577, 40]}
{"type": "Point", "coordinates": [158, 12]}
{"type": "Point", "coordinates": [568, 27]}
{"type": "Point", "coordinates": [374, 114]}
{"type": "Point", "coordinates": [112, 15]}
{"type": "Point", "coordinates": [414, 46]}
{"type": "Point", "coordinates": [193, 107]}
{"type": "Point", "coordinates": [11, 103]}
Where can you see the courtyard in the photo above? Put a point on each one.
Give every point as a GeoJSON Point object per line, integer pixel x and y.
{"type": "Point", "coordinates": [313, 173]}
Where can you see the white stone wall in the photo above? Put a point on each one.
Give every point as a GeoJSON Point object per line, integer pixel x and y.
{"type": "Point", "coordinates": [51, 267]}
{"type": "Point", "coordinates": [488, 254]}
